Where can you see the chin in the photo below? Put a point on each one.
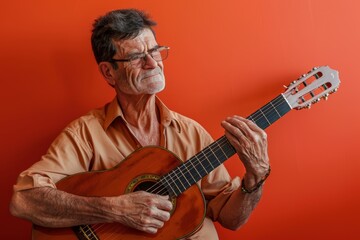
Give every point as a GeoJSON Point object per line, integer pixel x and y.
{"type": "Point", "coordinates": [156, 89]}
{"type": "Point", "coordinates": [156, 86]}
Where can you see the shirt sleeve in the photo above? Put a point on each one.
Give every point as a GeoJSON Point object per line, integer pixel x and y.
{"type": "Point", "coordinates": [67, 155]}
{"type": "Point", "coordinates": [217, 187]}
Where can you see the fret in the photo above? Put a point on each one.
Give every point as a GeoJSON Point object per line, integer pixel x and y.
{"type": "Point", "coordinates": [188, 174]}
{"type": "Point", "coordinates": [284, 107]}
{"type": "Point", "coordinates": [193, 170]}
{"type": "Point", "coordinates": [183, 179]}
{"type": "Point", "coordinates": [224, 154]}
{"type": "Point", "coordinates": [215, 157]}
{"type": "Point", "coordinates": [177, 182]}
{"type": "Point", "coordinates": [271, 112]}
{"type": "Point", "coordinates": [193, 167]}
{"type": "Point", "coordinates": [264, 116]}
{"type": "Point", "coordinates": [227, 147]}
{"type": "Point", "coordinates": [199, 165]}
{"type": "Point", "coordinates": [259, 120]}
{"type": "Point", "coordinates": [275, 109]}
{"type": "Point", "coordinates": [165, 182]}
{"type": "Point", "coordinates": [207, 167]}
{"type": "Point", "coordinates": [251, 118]}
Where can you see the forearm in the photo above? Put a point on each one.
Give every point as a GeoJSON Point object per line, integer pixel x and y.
{"type": "Point", "coordinates": [238, 208]}
{"type": "Point", "coordinates": [53, 208]}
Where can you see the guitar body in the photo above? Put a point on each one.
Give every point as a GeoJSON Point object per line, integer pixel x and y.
{"type": "Point", "coordinates": [143, 166]}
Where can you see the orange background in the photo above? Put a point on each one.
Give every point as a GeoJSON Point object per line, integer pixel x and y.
{"type": "Point", "coordinates": [227, 57]}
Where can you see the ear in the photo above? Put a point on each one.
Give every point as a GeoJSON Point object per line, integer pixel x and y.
{"type": "Point", "coordinates": [107, 71]}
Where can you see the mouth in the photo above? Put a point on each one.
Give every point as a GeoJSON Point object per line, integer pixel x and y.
{"type": "Point", "coordinates": [151, 73]}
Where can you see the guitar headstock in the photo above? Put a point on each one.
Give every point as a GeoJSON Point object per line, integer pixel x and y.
{"type": "Point", "coordinates": [310, 88]}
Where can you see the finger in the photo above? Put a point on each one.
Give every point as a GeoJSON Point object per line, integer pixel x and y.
{"type": "Point", "coordinates": [163, 203]}
{"type": "Point", "coordinates": [162, 215]}
{"type": "Point", "coordinates": [151, 219]}
{"type": "Point", "coordinates": [238, 142]}
{"type": "Point", "coordinates": [235, 127]}
{"type": "Point", "coordinates": [251, 130]}
{"type": "Point", "coordinates": [155, 223]}
{"type": "Point", "coordinates": [252, 125]}
{"type": "Point", "coordinates": [152, 228]}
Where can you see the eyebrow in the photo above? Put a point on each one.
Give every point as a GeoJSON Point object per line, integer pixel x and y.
{"type": "Point", "coordinates": [139, 53]}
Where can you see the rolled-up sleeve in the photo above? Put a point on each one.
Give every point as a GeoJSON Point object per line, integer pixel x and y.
{"type": "Point", "coordinates": [67, 155]}
{"type": "Point", "coordinates": [217, 188]}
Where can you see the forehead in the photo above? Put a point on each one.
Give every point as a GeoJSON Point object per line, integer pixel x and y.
{"type": "Point", "coordinates": [144, 41]}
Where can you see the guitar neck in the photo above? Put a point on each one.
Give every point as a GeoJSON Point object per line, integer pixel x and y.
{"type": "Point", "coordinates": [188, 173]}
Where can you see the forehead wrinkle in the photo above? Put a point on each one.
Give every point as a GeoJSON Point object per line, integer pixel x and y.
{"type": "Point", "coordinates": [141, 43]}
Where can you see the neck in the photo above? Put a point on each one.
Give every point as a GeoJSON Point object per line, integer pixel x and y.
{"type": "Point", "coordinates": [138, 110]}
{"type": "Point", "coordinates": [141, 114]}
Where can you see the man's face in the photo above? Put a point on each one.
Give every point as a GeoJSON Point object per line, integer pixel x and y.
{"type": "Point", "coordinates": [130, 80]}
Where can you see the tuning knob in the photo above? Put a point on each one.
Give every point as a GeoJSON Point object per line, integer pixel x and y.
{"type": "Point", "coordinates": [316, 100]}
{"type": "Point", "coordinates": [290, 84]}
{"type": "Point", "coordinates": [308, 106]}
{"type": "Point", "coordinates": [326, 96]}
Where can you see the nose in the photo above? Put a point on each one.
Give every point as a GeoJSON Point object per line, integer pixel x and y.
{"type": "Point", "coordinates": [149, 61]}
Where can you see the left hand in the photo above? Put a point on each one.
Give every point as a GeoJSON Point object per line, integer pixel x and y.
{"type": "Point", "coordinates": [250, 143]}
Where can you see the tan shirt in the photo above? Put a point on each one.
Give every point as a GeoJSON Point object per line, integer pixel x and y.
{"type": "Point", "coordinates": [101, 139]}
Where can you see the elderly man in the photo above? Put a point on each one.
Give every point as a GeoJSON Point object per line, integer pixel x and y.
{"type": "Point", "coordinates": [131, 61]}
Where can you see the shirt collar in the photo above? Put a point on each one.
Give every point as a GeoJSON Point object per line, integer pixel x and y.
{"type": "Point", "coordinates": [113, 111]}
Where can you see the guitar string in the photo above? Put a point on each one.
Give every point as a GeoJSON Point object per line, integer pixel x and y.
{"type": "Point", "coordinates": [199, 161]}
{"type": "Point", "coordinates": [204, 152]}
{"type": "Point", "coordinates": [111, 230]}
{"type": "Point", "coordinates": [254, 119]}
{"type": "Point", "coordinates": [251, 117]}
{"type": "Point", "coordinates": [171, 178]}
{"type": "Point", "coordinates": [98, 228]}
{"type": "Point", "coordinates": [222, 142]}
{"type": "Point", "coordinates": [203, 171]}
{"type": "Point", "coordinates": [267, 108]}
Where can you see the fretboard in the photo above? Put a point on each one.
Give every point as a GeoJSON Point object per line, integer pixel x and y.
{"type": "Point", "coordinates": [188, 173]}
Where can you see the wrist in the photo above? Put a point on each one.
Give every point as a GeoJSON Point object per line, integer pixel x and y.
{"type": "Point", "coordinates": [251, 183]}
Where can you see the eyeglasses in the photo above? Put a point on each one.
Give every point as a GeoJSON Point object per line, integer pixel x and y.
{"type": "Point", "coordinates": [159, 53]}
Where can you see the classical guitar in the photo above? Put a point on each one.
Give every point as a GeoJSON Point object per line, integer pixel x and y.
{"type": "Point", "coordinates": [169, 176]}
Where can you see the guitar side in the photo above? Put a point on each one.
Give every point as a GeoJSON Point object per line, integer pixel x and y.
{"type": "Point", "coordinates": [148, 161]}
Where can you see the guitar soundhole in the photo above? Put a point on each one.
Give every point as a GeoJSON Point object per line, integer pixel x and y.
{"type": "Point", "coordinates": [149, 183]}
{"type": "Point", "coordinates": [151, 187]}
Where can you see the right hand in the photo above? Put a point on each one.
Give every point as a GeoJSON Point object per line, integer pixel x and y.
{"type": "Point", "coordinates": [142, 210]}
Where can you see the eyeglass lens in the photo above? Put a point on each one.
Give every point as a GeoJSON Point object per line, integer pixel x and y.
{"type": "Point", "coordinates": [158, 55]}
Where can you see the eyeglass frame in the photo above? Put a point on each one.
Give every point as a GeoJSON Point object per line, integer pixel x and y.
{"type": "Point", "coordinates": [142, 56]}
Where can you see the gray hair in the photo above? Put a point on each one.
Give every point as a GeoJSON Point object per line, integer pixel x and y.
{"type": "Point", "coordinates": [117, 25]}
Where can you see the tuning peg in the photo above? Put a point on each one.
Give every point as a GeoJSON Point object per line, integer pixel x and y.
{"type": "Point", "coordinates": [290, 84]}
{"type": "Point", "coordinates": [326, 96]}
{"type": "Point", "coordinates": [308, 106]}
{"type": "Point", "coordinates": [316, 100]}
{"type": "Point", "coordinates": [314, 68]}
